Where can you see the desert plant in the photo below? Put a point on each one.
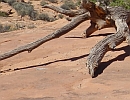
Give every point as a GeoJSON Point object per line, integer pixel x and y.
{"type": "Point", "coordinates": [43, 2]}
{"type": "Point", "coordinates": [15, 26]}
{"type": "Point", "coordinates": [123, 3]}
{"type": "Point", "coordinates": [68, 5]}
{"type": "Point", "coordinates": [60, 16]}
{"type": "Point", "coordinates": [78, 2]}
{"type": "Point", "coordinates": [53, 1]}
{"type": "Point", "coordinates": [7, 28]}
{"type": "Point", "coordinates": [23, 9]}
{"type": "Point", "coordinates": [3, 14]}
{"type": "Point", "coordinates": [34, 15]}
{"type": "Point", "coordinates": [20, 25]}
{"type": "Point", "coordinates": [10, 2]}
{"type": "Point", "coordinates": [52, 19]}
{"type": "Point", "coordinates": [45, 17]}
{"type": "Point", "coordinates": [1, 28]}
{"type": "Point", "coordinates": [30, 26]}
{"type": "Point", "coordinates": [4, 28]}
{"type": "Point", "coordinates": [93, 0]}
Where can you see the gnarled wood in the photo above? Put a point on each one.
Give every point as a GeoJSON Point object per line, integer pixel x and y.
{"type": "Point", "coordinates": [29, 47]}
{"type": "Point", "coordinates": [108, 43]}
{"type": "Point", "coordinates": [94, 26]}
{"type": "Point", "coordinates": [66, 12]}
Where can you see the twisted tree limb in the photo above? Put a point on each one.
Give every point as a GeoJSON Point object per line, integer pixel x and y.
{"type": "Point", "coordinates": [69, 13]}
{"type": "Point", "coordinates": [120, 17]}
{"type": "Point", "coordinates": [29, 47]}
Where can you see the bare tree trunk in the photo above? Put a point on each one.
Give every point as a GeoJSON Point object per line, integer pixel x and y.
{"type": "Point", "coordinates": [111, 41]}
{"type": "Point", "coordinates": [29, 47]}
{"type": "Point", "coordinates": [66, 12]}
{"type": "Point", "coordinates": [92, 28]}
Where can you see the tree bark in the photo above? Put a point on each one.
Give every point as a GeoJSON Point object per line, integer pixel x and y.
{"type": "Point", "coordinates": [29, 47]}
{"type": "Point", "coordinates": [66, 12]}
{"type": "Point", "coordinates": [120, 17]}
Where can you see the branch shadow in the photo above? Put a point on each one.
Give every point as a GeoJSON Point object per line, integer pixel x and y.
{"type": "Point", "coordinates": [45, 64]}
{"type": "Point", "coordinates": [80, 37]}
{"type": "Point", "coordinates": [121, 57]}
{"type": "Point", "coordinates": [76, 37]}
{"type": "Point", "coordinates": [96, 35]}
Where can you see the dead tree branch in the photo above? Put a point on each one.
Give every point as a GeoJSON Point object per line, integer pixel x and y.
{"type": "Point", "coordinates": [66, 12]}
{"type": "Point", "coordinates": [29, 47]}
{"type": "Point", "coordinates": [120, 17]}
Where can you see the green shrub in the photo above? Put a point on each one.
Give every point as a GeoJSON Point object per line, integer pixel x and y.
{"type": "Point", "coordinates": [122, 3]}
{"type": "Point", "coordinates": [78, 2]}
{"type": "Point", "coordinates": [93, 0]}
{"type": "Point", "coordinates": [43, 2]}
{"type": "Point", "coordinates": [3, 14]}
{"type": "Point", "coordinates": [34, 15]}
{"type": "Point", "coordinates": [45, 17]}
{"type": "Point", "coordinates": [7, 28]}
{"type": "Point", "coordinates": [24, 9]}
{"type": "Point", "coordinates": [1, 28]}
{"type": "Point", "coordinates": [15, 26]}
{"type": "Point", "coordinates": [10, 2]}
{"type": "Point", "coordinates": [60, 16]}
{"type": "Point", "coordinates": [68, 5]}
{"type": "Point", "coordinates": [53, 1]}
{"type": "Point", "coordinates": [30, 26]}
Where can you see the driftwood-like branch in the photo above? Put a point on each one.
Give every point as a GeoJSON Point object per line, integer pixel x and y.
{"type": "Point", "coordinates": [100, 17]}
{"type": "Point", "coordinates": [111, 41]}
{"type": "Point", "coordinates": [100, 49]}
{"type": "Point", "coordinates": [29, 47]}
{"type": "Point", "coordinates": [69, 13]}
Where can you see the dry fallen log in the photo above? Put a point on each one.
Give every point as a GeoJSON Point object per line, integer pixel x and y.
{"type": "Point", "coordinates": [66, 12]}
{"type": "Point", "coordinates": [111, 41]}
{"type": "Point", "coordinates": [29, 47]}
{"type": "Point", "coordinates": [100, 49]}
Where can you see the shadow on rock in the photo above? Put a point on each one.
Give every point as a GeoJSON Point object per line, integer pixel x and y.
{"type": "Point", "coordinates": [45, 64]}
{"type": "Point", "coordinates": [121, 57]}
{"type": "Point", "coordinates": [97, 35]}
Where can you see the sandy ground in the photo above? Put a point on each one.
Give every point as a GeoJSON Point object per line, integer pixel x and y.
{"type": "Point", "coordinates": [56, 70]}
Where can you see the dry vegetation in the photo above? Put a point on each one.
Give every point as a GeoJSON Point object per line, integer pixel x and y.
{"type": "Point", "coordinates": [30, 12]}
